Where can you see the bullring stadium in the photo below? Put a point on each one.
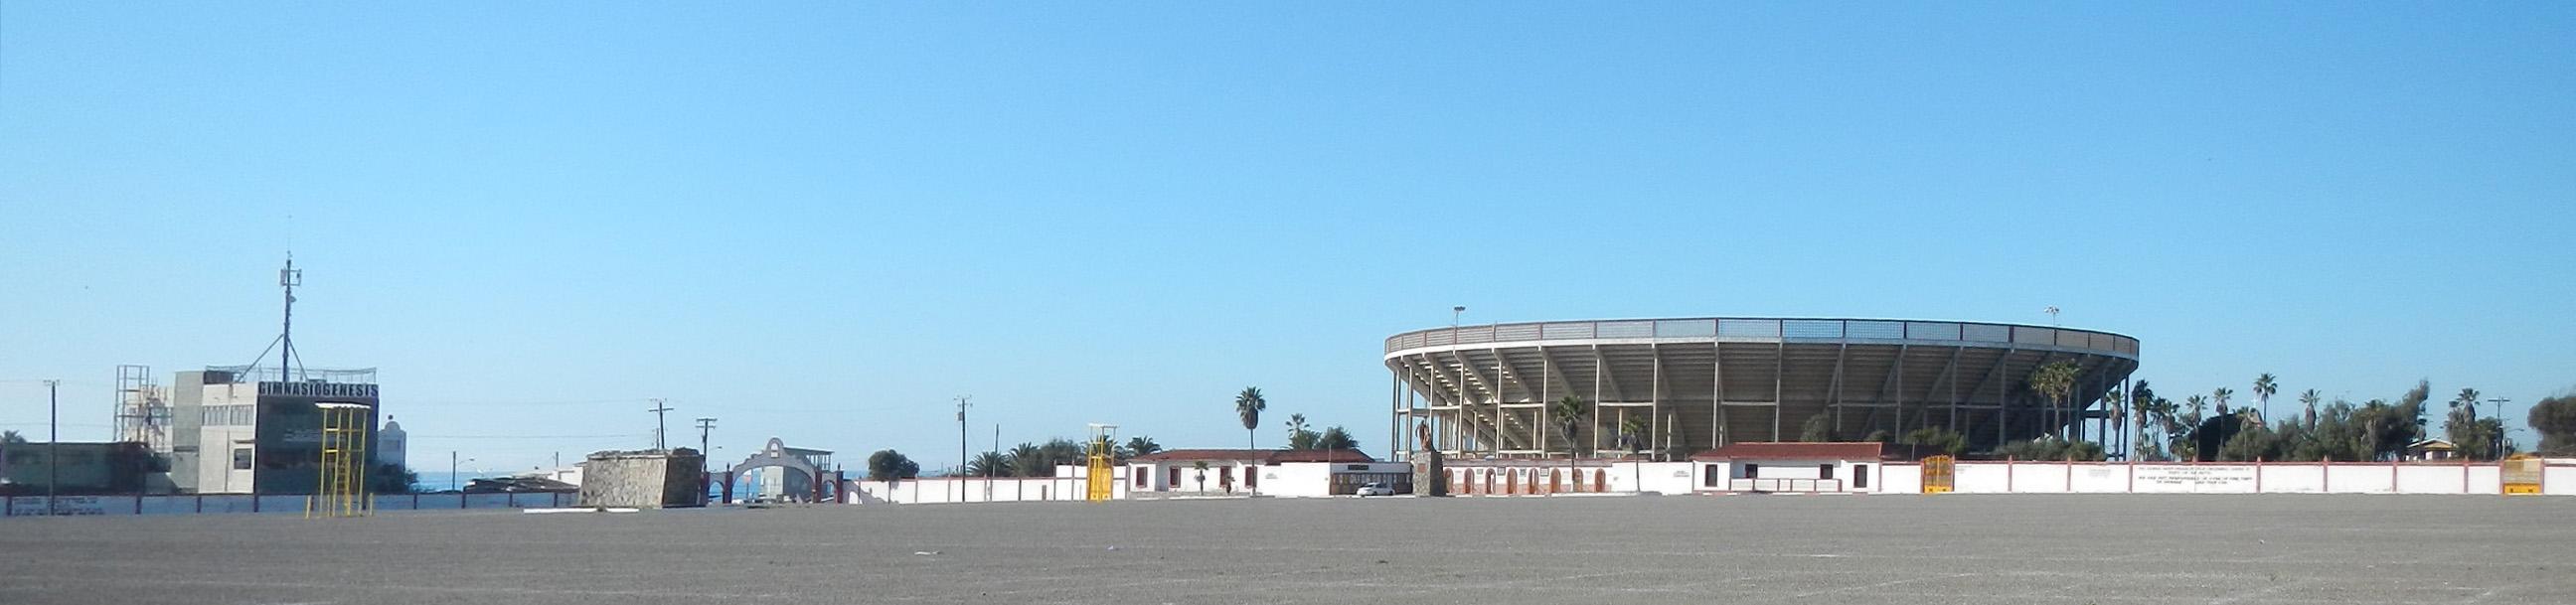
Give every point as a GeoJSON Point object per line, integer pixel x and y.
{"type": "Point", "coordinates": [1667, 387]}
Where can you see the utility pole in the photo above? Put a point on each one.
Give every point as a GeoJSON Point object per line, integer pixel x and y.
{"type": "Point", "coordinates": [53, 445]}
{"type": "Point", "coordinates": [961, 446]}
{"type": "Point", "coordinates": [704, 425]}
{"type": "Point", "coordinates": [660, 426]}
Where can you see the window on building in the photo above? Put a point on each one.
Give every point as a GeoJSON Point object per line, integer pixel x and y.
{"type": "Point", "coordinates": [1824, 471]}
{"type": "Point", "coordinates": [1175, 480]}
{"type": "Point", "coordinates": [1139, 474]}
{"type": "Point", "coordinates": [1252, 476]}
{"type": "Point", "coordinates": [1708, 476]}
{"type": "Point", "coordinates": [241, 458]}
{"type": "Point", "coordinates": [1752, 471]}
{"type": "Point", "coordinates": [1860, 476]}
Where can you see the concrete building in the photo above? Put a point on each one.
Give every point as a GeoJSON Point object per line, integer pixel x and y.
{"type": "Point", "coordinates": [242, 430]}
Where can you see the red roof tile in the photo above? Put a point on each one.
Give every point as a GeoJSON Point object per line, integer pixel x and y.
{"type": "Point", "coordinates": [1260, 456]}
{"type": "Point", "coordinates": [1864, 450]}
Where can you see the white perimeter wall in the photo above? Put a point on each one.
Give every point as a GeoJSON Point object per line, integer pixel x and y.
{"type": "Point", "coordinates": [2558, 478]}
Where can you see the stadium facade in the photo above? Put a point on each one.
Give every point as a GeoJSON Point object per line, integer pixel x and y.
{"type": "Point", "coordinates": [1669, 387]}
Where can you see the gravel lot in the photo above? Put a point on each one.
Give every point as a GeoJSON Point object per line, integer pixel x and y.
{"type": "Point", "coordinates": [1952, 549]}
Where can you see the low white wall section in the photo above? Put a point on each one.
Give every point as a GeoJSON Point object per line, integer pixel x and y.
{"type": "Point", "coordinates": [1984, 477]}
{"type": "Point", "coordinates": [1900, 479]}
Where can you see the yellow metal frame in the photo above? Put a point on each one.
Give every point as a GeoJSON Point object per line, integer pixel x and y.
{"type": "Point", "coordinates": [1099, 480]}
{"type": "Point", "coordinates": [340, 482]}
{"type": "Point", "coordinates": [2520, 474]}
{"type": "Point", "coordinates": [1940, 474]}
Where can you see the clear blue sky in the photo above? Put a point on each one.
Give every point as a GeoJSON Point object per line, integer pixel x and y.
{"type": "Point", "coordinates": [821, 221]}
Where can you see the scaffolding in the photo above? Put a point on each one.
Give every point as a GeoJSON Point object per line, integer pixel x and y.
{"type": "Point", "coordinates": [340, 486]}
{"type": "Point", "coordinates": [1100, 481]}
{"type": "Point", "coordinates": [142, 408]}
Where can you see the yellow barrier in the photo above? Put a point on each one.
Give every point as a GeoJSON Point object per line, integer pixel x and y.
{"type": "Point", "coordinates": [1940, 474]}
{"type": "Point", "coordinates": [2521, 475]}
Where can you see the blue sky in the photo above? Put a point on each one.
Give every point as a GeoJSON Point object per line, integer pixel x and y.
{"type": "Point", "coordinates": [822, 221]}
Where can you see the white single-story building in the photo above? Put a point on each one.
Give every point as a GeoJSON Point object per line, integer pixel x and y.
{"type": "Point", "coordinates": [1264, 472]}
{"type": "Point", "coordinates": [1789, 467]}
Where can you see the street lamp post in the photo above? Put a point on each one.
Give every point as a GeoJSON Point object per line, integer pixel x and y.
{"type": "Point", "coordinates": [2501, 432]}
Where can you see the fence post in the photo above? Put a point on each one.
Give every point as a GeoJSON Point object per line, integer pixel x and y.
{"type": "Point", "coordinates": [2258, 474]}
{"type": "Point", "coordinates": [2008, 474]}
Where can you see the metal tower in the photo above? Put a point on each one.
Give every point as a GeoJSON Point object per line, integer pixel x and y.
{"type": "Point", "coordinates": [289, 365]}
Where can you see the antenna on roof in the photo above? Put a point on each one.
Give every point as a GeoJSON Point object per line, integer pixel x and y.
{"type": "Point", "coordinates": [289, 365]}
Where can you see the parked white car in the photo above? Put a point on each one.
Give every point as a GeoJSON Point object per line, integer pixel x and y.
{"type": "Point", "coordinates": [1375, 489]}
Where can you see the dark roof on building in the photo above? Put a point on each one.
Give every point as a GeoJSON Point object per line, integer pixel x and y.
{"type": "Point", "coordinates": [1260, 456]}
{"type": "Point", "coordinates": [1764, 450]}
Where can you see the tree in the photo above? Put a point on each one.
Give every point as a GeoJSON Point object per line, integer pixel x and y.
{"type": "Point", "coordinates": [1335, 438]}
{"type": "Point", "coordinates": [2555, 418]}
{"type": "Point", "coordinates": [1028, 460]}
{"type": "Point", "coordinates": [2051, 448]}
{"type": "Point", "coordinates": [1248, 406]}
{"type": "Point", "coordinates": [2054, 381]}
{"type": "Point", "coordinates": [889, 465]}
{"type": "Point", "coordinates": [2142, 408]}
{"type": "Point", "coordinates": [2220, 396]}
{"type": "Point", "coordinates": [1201, 466]}
{"type": "Point", "coordinates": [1569, 414]}
{"type": "Point", "coordinates": [2465, 429]}
{"type": "Point", "coordinates": [1818, 428]}
{"type": "Point", "coordinates": [2309, 400]}
{"type": "Point", "coordinates": [1298, 437]}
{"type": "Point", "coordinates": [2264, 386]}
{"type": "Point", "coordinates": [12, 438]}
{"type": "Point", "coordinates": [1934, 440]}
{"type": "Point", "coordinates": [1631, 430]}
{"type": "Point", "coordinates": [1140, 445]}
{"type": "Point", "coordinates": [989, 464]}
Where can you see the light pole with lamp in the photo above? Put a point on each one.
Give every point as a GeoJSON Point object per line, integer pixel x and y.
{"type": "Point", "coordinates": [453, 482]}
{"type": "Point", "coordinates": [2503, 434]}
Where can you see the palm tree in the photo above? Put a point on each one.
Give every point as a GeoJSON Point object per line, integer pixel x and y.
{"type": "Point", "coordinates": [2142, 405]}
{"type": "Point", "coordinates": [1029, 460]}
{"type": "Point", "coordinates": [1248, 405]}
{"type": "Point", "coordinates": [2310, 399]}
{"type": "Point", "coordinates": [2055, 381]}
{"type": "Point", "coordinates": [1141, 445]}
{"type": "Point", "coordinates": [1569, 413]}
{"type": "Point", "coordinates": [2462, 428]}
{"type": "Point", "coordinates": [1630, 429]}
{"type": "Point", "coordinates": [1298, 437]}
{"type": "Point", "coordinates": [989, 464]}
{"type": "Point", "coordinates": [11, 437]}
{"type": "Point", "coordinates": [2221, 396]}
{"type": "Point", "coordinates": [2264, 386]}
{"type": "Point", "coordinates": [1202, 466]}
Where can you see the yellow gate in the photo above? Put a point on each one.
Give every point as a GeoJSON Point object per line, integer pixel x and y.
{"type": "Point", "coordinates": [2521, 475]}
{"type": "Point", "coordinates": [1940, 474]}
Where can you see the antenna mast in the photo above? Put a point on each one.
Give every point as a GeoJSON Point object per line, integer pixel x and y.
{"type": "Point", "coordinates": [289, 365]}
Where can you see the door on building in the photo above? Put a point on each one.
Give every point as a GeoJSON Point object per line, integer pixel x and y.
{"type": "Point", "coordinates": [1225, 479]}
